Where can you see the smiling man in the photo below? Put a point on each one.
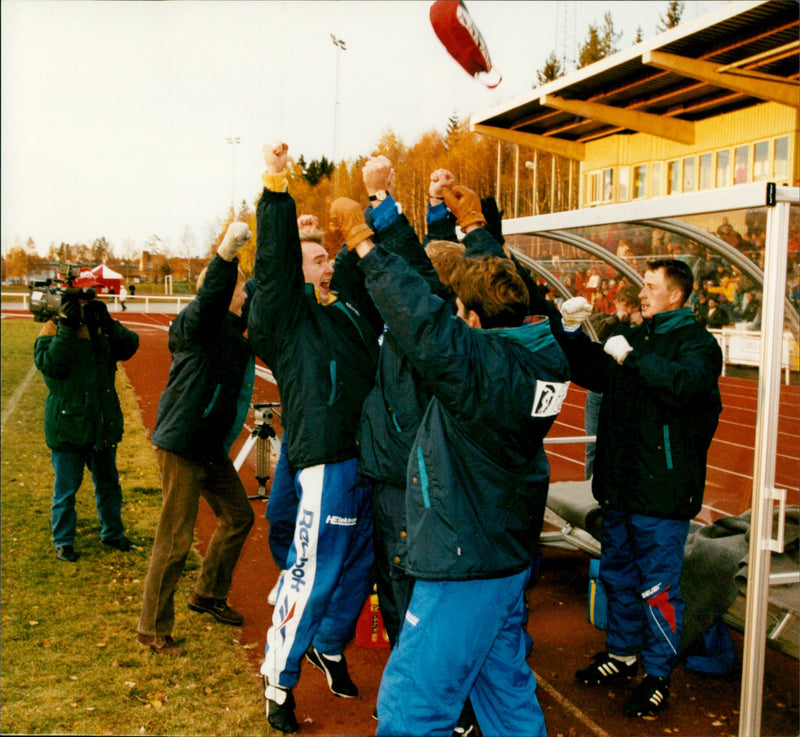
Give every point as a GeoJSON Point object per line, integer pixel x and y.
{"type": "Point", "coordinates": [659, 412]}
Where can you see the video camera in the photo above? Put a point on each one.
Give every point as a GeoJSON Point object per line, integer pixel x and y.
{"type": "Point", "coordinates": [48, 296]}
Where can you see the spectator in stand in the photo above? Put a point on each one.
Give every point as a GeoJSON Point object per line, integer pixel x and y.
{"type": "Point", "coordinates": [77, 352]}
{"type": "Point", "coordinates": [716, 317]}
{"type": "Point", "coordinates": [728, 234]}
{"type": "Point", "coordinates": [700, 308]}
{"type": "Point", "coordinates": [197, 412]}
{"type": "Point", "coordinates": [705, 268]}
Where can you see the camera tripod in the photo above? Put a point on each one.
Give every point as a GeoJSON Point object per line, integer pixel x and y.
{"type": "Point", "coordinates": [263, 437]}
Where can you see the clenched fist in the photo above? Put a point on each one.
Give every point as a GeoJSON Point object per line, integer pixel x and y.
{"type": "Point", "coordinates": [236, 236]}
{"type": "Point", "coordinates": [347, 219]}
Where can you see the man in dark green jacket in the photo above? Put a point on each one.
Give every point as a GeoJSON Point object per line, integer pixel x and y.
{"type": "Point", "coordinates": [77, 353]}
{"type": "Point", "coordinates": [657, 417]}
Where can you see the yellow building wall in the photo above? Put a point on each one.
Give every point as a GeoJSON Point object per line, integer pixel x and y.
{"type": "Point", "coordinates": [757, 123]}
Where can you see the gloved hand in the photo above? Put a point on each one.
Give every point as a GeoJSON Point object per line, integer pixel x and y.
{"type": "Point", "coordinates": [69, 314]}
{"type": "Point", "coordinates": [465, 205]}
{"type": "Point", "coordinates": [95, 314]}
{"type": "Point", "coordinates": [618, 348]}
{"type": "Point", "coordinates": [347, 218]}
{"type": "Point", "coordinates": [236, 236]}
{"type": "Point", "coordinates": [573, 312]}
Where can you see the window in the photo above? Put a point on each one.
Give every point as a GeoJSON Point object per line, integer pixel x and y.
{"type": "Point", "coordinates": [741, 163]}
{"type": "Point", "coordinates": [781, 160]}
{"type": "Point", "coordinates": [706, 179]}
{"type": "Point", "coordinates": [723, 168]}
{"type": "Point", "coordinates": [673, 177]}
{"type": "Point", "coordinates": [608, 185]}
{"type": "Point", "coordinates": [656, 181]}
{"type": "Point", "coordinates": [761, 168]}
{"type": "Point", "coordinates": [639, 181]}
{"type": "Point", "coordinates": [622, 193]}
{"type": "Point", "coordinates": [689, 164]}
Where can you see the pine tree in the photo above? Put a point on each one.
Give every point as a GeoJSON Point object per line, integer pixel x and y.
{"type": "Point", "coordinates": [600, 43]}
{"type": "Point", "coordinates": [672, 17]}
{"type": "Point", "coordinates": [551, 70]}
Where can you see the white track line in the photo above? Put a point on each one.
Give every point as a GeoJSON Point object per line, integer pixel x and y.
{"type": "Point", "coordinates": [17, 395]}
{"type": "Point", "coordinates": [565, 703]}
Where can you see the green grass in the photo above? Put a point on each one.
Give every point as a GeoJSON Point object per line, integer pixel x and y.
{"type": "Point", "coordinates": [69, 663]}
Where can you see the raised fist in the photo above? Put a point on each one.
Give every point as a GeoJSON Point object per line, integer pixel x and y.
{"type": "Point", "coordinates": [440, 179]}
{"type": "Point", "coordinates": [236, 236]}
{"type": "Point", "coordinates": [465, 205]}
{"type": "Point", "coordinates": [275, 156]}
{"type": "Point", "coordinates": [573, 312]}
{"type": "Point", "coordinates": [307, 222]}
{"type": "Point", "coordinates": [377, 174]}
{"type": "Point", "coordinates": [347, 218]}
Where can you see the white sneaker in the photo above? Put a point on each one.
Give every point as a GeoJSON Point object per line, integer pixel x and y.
{"type": "Point", "coordinates": [273, 595]}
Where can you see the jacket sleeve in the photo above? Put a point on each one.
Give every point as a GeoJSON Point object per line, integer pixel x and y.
{"type": "Point", "coordinates": [124, 341]}
{"type": "Point", "coordinates": [348, 285]}
{"type": "Point", "coordinates": [55, 350]}
{"type": "Point", "coordinates": [441, 224]}
{"type": "Point", "coordinates": [203, 317]}
{"type": "Point", "coordinates": [278, 272]}
{"type": "Point", "coordinates": [588, 363]}
{"type": "Point", "coordinates": [691, 374]}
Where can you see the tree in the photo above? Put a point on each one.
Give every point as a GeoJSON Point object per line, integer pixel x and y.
{"type": "Point", "coordinates": [600, 43]}
{"type": "Point", "coordinates": [639, 35]}
{"type": "Point", "coordinates": [672, 17]}
{"type": "Point", "coordinates": [100, 250]}
{"type": "Point", "coordinates": [316, 169]}
{"type": "Point", "coordinates": [552, 69]}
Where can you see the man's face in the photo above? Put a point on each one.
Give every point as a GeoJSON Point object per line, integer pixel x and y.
{"type": "Point", "coordinates": [317, 269]}
{"type": "Point", "coordinates": [627, 312]}
{"type": "Point", "coordinates": [656, 295]}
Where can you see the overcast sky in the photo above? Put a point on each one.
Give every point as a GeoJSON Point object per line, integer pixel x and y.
{"type": "Point", "coordinates": [116, 115]}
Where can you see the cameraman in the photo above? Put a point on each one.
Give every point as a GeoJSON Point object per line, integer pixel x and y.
{"type": "Point", "coordinates": [77, 352]}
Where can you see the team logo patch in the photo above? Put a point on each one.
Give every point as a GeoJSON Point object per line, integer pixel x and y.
{"type": "Point", "coordinates": [548, 398]}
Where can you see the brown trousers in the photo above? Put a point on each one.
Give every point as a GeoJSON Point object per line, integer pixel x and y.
{"type": "Point", "coordinates": [184, 482]}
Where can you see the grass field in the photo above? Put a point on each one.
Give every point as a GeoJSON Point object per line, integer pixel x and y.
{"type": "Point", "coordinates": [69, 663]}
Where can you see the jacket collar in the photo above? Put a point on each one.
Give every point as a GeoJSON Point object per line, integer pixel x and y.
{"type": "Point", "coordinates": [665, 322]}
{"type": "Point", "coordinates": [531, 335]}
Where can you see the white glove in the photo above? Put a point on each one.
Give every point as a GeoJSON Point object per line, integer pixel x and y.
{"type": "Point", "coordinates": [235, 237]}
{"type": "Point", "coordinates": [618, 348]}
{"type": "Point", "coordinates": [573, 312]}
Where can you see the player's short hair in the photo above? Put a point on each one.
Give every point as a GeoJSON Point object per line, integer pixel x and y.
{"type": "Point", "coordinates": [492, 287]}
{"type": "Point", "coordinates": [677, 273]}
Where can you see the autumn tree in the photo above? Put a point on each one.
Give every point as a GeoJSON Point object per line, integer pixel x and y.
{"type": "Point", "coordinates": [600, 43]}
{"type": "Point", "coordinates": [672, 16]}
{"type": "Point", "coordinates": [552, 69]}
{"type": "Point", "coordinates": [100, 250]}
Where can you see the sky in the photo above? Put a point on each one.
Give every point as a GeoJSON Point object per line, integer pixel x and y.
{"type": "Point", "coordinates": [116, 116]}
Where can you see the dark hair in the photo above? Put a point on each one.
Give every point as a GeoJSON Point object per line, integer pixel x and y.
{"type": "Point", "coordinates": [678, 274]}
{"type": "Point", "coordinates": [628, 295]}
{"type": "Point", "coordinates": [492, 288]}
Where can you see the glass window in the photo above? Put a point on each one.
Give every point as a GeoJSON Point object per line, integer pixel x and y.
{"type": "Point", "coordinates": [656, 181]}
{"type": "Point", "coordinates": [761, 161]}
{"type": "Point", "coordinates": [706, 179]}
{"type": "Point", "coordinates": [723, 169]}
{"type": "Point", "coordinates": [781, 165]}
{"type": "Point", "coordinates": [673, 177]}
{"type": "Point", "coordinates": [688, 174]}
{"type": "Point", "coordinates": [741, 163]}
{"type": "Point", "coordinates": [622, 193]}
{"type": "Point", "coordinates": [639, 181]}
{"type": "Point", "coordinates": [608, 185]}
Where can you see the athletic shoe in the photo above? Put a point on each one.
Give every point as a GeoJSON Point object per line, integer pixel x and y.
{"type": "Point", "coordinates": [606, 669]}
{"type": "Point", "coordinates": [280, 708]}
{"type": "Point", "coordinates": [465, 727]}
{"type": "Point", "coordinates": [272, 597]}
{"type": "Point", "coordinates": [160, 645]}
{"type": "Point", "coordinates": [649, 697]}
{"type": "Point", "coordinates": [122, 544]}
{"type": "Point", "coordinates": [66, 553]}
{"type": "Point", "coordinates": [217, 608]}
{"type": "Point", "coordinates": [335, 669]}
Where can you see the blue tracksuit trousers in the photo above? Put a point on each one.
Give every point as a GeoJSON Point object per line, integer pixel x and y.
{"type": "Point", "coordinates": [327, 578]}
{"type": "Point", "coordinates": [640, 567]}
{"type": "Point", "coordinates": [461, 639]}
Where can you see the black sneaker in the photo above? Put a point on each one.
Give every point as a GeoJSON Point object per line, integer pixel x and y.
{"type": "Point", "coordinates": [335, 669]}
{"type": "Point", "coordinates": [465, 726]}
{"type": "Point", "coordinates": [649, 697]}
{"type": "Point", "coordinates": [66, 553]}
{"type": "Point", "coordinates": [217, 608]}
{"type": "Point", "coordinates": [606, 669]}
{"type": "Point", "coordinates": [122, 544]}
{"type": "Point", "coordinates": [280, 708]}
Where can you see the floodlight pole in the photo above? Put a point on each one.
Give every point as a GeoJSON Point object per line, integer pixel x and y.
{"type": "Point", "coordinates": [233, 141]}
{"type": "Point", "coordinates": [340, 46]}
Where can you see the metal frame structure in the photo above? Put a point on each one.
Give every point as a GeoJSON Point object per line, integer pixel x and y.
{"type": "Point", "coordinates": [665, 213]}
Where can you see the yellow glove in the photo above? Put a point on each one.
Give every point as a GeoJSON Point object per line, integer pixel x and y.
{"type": "Point", "coordinates": [347, 219]}
{"type": "Point", "coordinates": [465, 205]}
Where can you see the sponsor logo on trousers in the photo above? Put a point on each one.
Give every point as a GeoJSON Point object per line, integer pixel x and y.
{"type": "Point", "coordinates": [298, 571]}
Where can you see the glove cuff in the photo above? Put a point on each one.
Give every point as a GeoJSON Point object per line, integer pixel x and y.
{"type": "Point", "coordinates": [276, 182]}
{"type": "Point", "coordinates": [358, 234]}
{"type": "Point", "coordinates": [570, 327]}
{"type": "Point", "coordinates": [471, 218]}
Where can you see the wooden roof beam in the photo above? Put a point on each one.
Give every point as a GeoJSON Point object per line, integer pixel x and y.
{"type": "Point", "coordinates": [569, 149]}
{"type": "Point", "coordinates": [775, 89]}
{"type": "Point", "coordinates": [673, 129]}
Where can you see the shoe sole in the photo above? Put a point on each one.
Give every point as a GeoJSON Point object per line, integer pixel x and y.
{"type": "Point", "coordinates": [329, 679]}
{"type": "Point", "coordinates": [204, 610]}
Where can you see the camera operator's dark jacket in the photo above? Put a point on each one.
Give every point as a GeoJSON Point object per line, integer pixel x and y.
{"type": "Point", "coordinates": [658, 416]}
{"type": "Point", "coordinates": [323, 357]}
{"type": "Point", "coordinates": [82, 410]}
{"type": "Point", "coordinates": [477, 474]}
{"type": "Point", "coordinates": [199, 405]}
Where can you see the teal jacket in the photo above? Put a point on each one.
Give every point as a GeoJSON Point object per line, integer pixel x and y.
{"type": "Point", "coordinates": [82, 410]}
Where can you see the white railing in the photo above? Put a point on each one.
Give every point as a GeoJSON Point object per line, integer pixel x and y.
{"type": "Point", "coordinates": [743, 348]}
{"type": "Point", "coordinates": [156, 303]}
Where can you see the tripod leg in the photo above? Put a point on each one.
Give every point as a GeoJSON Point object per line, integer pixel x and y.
{"type": "Point", "coordinates": [245, 451]}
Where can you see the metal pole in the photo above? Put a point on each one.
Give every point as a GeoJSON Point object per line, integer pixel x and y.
{"type": "Point", "coordinates": [516, 178]}
{"type": "Point", "coordinates": [233, 141]}
{"type": "Point", "coordinates": [764, 492]}
{"type": "Point", "coordinates": [340, 46]}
